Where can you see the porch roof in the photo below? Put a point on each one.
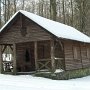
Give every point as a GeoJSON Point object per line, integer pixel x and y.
{"type": "Point", "coordinates": [58, 29]}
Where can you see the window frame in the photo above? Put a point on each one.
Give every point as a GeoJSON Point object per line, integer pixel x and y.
{"type": "Point", "coordinates": [76, 54]}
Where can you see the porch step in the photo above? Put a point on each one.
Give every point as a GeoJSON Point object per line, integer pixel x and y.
{"type": "Point", "coordinates": [26, 73]}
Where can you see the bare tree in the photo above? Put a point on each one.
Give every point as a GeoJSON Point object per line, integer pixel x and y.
{"type": "Point", "coordinates": [41, 7]}
{"type": "Point", "coordinates": [5, 19]}
{"type": "Point", "coordinates": [23, 2]}
{"type": "Point", "coordinates": [14, 6]}
{"type": "Point", "coordinates": [53, 12]}
{"type": "Point", "coordinates": [82, 7]}
{"type": "Point", "coordinates": [72, 12]}
{"type": "Point", "coordinates": [8, 10]}
{"type": "Point", "coordinates": [63, 3]}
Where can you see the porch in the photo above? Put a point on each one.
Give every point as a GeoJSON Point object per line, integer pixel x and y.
{"type": "Point", "coordinates": [26, 57]}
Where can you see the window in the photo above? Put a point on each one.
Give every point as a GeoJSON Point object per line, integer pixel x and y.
{"type": "Point", "coordinates": [88, 53]}
{"type": "Point", "coordinates": [76, 51]}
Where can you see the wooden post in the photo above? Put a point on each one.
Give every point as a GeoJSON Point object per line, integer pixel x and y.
{"type": "Point", "coordinates": [1, 63]}
{"type": "Point", "coordinates": [35, 54]}
{"type": "Point", "coordinates": [14, 59]}
{"type": "Point", "coordinates": [52, 56]}
{"type": "Point", "coordinates": [81, 54]}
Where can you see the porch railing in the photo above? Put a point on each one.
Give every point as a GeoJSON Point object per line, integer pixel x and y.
{"type": "Point", "coordinates": [46, 63]}
{"type": "Point", "coordinates": [8, 66]}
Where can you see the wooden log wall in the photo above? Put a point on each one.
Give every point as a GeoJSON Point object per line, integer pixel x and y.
{"type": "Point", "coordinates": [82, 60]}
{"type": "Point", "coordinates": [68, 51]}
{"type": "Point", "coordinates": [23, 30]}
{"type": "Point", "coordinates": [85, 53]}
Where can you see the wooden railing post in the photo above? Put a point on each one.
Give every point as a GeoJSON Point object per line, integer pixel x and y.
{"type": "Point", "coordinates": [52, 56]}
{"type": "Point", "coordinates": [35, 54]}
{"type": "Point", "coordinates": [1, 61]}
{"type": "Point", "coordinates": [14, 59]}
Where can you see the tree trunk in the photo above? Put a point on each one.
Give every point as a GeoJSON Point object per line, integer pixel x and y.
{"type": "Point", "coordinates": [5, 12]}
{"type": "Point", "coordinates": [53, 12]}
{"type": "Point", "coordinates": [8, 10]}
{"type": "Point", "coordinates": [63, 3]}
{"type": "Point", "coordinates": [72, 12]}
{"type": "Point", "coordinates": [14, 6]}
{"type": "Point", "coordinates": [23, 5]}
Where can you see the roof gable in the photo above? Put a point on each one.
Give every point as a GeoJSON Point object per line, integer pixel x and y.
{"type": "Point", "coordinates": [58, 29]}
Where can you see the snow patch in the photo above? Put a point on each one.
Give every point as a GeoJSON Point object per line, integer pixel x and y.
{"type": "Point", "coordinates": [59, 70]}
{"type": "Point", "coordinates": [28, 82]}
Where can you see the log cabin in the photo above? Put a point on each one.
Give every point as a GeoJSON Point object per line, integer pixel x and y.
{"type": "Point", "coordinates": [29, 42]}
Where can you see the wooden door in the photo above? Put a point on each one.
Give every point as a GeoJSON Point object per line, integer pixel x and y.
{"type": "Point", "coordinates": [29, 60]}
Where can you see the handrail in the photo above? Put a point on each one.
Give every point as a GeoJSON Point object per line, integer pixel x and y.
{"type": "Point", "coordinates": [44, 60]}
{"type": "Point", "coordinates": [49, 59]}
{"type": "Point", "coordinates": [58, 58]}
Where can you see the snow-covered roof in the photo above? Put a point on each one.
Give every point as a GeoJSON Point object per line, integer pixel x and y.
{"type": "Point", "coordinates": [58, 29]}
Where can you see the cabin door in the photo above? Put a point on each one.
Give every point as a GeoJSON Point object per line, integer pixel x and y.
{"type": "Point", "coordinates": [25, 57]}
{"type": "Point", "coordinates": [29, 60]}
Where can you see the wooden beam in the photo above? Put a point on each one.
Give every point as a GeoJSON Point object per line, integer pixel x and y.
{"type": "Point", "coordinates": [35, 54]}
{"type": "Point", "coordinates": [5, 46]}
{"type": "Point", "coordinates": [81, 54]}
{"type": "Point", "coordinates": [11, 47]}
{"type": "Point", "coordinates": [52, 56]}
{"type": "Point", "coordinates": [1, 61]}
{"type": "Point", "coordinates": [61, 44]}
{"type": "Point", "coordinates": [14, 59]}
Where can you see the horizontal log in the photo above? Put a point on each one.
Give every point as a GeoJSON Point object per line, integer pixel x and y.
{"type": "Point", "coordinates": [44, 60]}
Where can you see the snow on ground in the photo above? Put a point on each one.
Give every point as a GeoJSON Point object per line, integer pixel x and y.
{"type": "Point", "coordinates": [27, 82]}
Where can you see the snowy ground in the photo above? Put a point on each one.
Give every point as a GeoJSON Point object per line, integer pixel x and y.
{"type": "Point", "coordinates": [9, 82]}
